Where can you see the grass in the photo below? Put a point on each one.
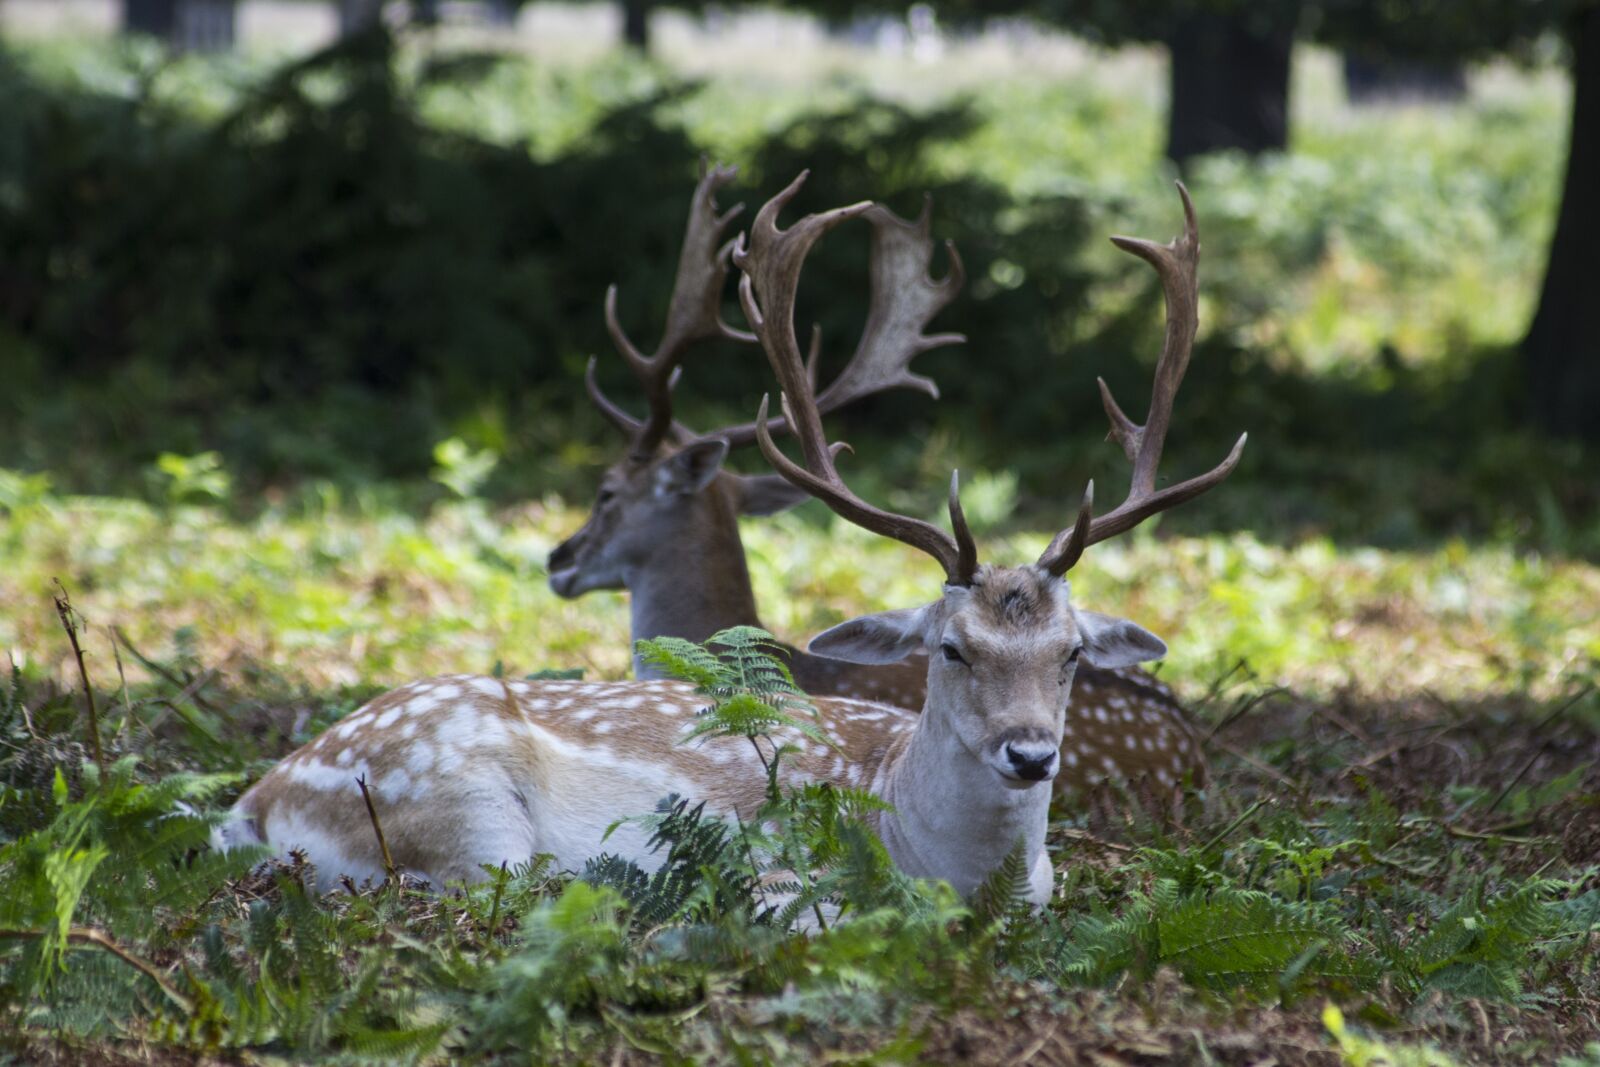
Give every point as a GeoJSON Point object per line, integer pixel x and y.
{"type": "Point", "coordinates": [339, 592]}
{"type": "Point", "coordinates": [1405, 748]}
{"type": "Point", "coordinates": [1411, 878]}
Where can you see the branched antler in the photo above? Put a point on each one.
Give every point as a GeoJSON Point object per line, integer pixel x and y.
{"type": "Point", "coordinates": [1177, 264]}
{"type": "Point", "coordinates": [693, 315]}
{"type": "Point", "coordinates": [771, 260]}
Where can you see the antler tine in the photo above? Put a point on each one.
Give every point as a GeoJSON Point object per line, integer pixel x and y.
{"type": "Point", "coordinates": [771, 262]}
{"type": "Point", "coordinates": [1177, 264]}
{"type": "Point", "coordinates": [905, 298]}
{"type": "Point", "coordinates": [693, 314]}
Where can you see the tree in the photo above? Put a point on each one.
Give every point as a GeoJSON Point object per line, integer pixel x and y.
{"type": "Point", "coordinates": [636, 24]}
{"type": "Point", "coordinates": [358, 15]}
{"type": "Point", "coordinates": [189, 25]}
{"type": "Point", "coordinates": [1561, 353]}
{"type": "Point", "coordinates": [1230, 59]}
{"type": "Point", "coordinates": [1229, 78]}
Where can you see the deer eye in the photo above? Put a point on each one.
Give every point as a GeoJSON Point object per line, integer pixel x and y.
{"type": "Point", "coordinates": [1075, 654]}
{"type": "Point", "coordinates": [605, 497]}
{"type": "Point", "coordinates": [952, 653]}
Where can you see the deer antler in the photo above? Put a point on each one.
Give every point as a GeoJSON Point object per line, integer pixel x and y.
{"type": "Point", "coordinates": [771, 260]}
{"type": "Point", "coordinates": [694, 314]}
{"type": "Point", "coordinates": [905, 298]}
{"type": "Point", "coordinates": [1177, 264]}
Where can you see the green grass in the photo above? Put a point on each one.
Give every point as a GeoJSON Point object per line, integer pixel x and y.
{"type": "Point", "coordinates": [1412, 879]}
{"type": "Point", "coordinates": [332, 591]}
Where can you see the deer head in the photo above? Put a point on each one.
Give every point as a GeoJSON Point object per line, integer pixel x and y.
{"type": "Point", "coordinates": [1003, 642]}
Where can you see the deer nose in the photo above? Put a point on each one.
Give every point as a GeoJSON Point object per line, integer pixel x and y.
{"type": "Point", "coordinates": [1033, 763]}
{"type": "Point", "coordinates": [561, 557]}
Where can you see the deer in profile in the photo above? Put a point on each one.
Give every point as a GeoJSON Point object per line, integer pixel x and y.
{"type": "Point", "coordinates": [469, 772]}
{"type": "Point", "coordinates": [665, 522]}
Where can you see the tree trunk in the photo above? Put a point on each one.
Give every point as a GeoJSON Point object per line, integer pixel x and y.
{"type": "Point", "coordinates": [357, 15]}
{"type": "Point", "coordinates": [1374, 78]}
{"type": "Point", "coordinates": [636, 24]}
{"type": "Point", "coordinates": [1561, 354]}
{"type": "Point", "coordinates": [188, 25]}
{"type": "Point", "coordinates": [155, 17]}
{"type": "Point", "coordinates": [502, 12]}
{"type": "Point", "coordinates": [1230, 86]}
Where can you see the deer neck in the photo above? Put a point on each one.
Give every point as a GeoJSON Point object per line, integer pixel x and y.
{"type": "Point", "coordinates": [696, 585]}
{"type": "Point", "coordinates": [953, 817]}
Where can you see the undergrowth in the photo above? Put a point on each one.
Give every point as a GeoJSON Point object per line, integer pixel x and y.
{"type": "Point", "coordinates": [1351, 866]}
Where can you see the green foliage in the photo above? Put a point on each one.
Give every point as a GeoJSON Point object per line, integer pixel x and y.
{"type": "Point", "coordinates": [790, 932]}
{"type": "Point", "coordinates": [753, 692]}
{"type": "Point", "coordinates": [193, 478]}
{"type": "Point", "coordinates": [461, 468]}
{"type": "Point", "coordinates": [307, 321]}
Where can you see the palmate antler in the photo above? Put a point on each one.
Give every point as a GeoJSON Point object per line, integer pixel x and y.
{"type": "Point", "coordinates": [1177, 263]}
{"type": "Point", "coordinates": [772, 260]}
{"type": "Point", "coordinates": [904, 298]}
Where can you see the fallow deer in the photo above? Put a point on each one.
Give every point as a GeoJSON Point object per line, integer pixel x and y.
{"type": "Point", "coordinates": [468, 772]}
{"type": "Point", "coordinates": [665, 524]}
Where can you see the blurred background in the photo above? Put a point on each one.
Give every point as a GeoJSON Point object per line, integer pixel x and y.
{"type": "Point", "coordinates": [294, 258]}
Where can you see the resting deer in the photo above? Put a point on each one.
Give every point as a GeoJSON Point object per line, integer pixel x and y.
{"type": "Point", "coordinates": [665, 523]}
{"type": "Point", "coordinates": [468, 772]}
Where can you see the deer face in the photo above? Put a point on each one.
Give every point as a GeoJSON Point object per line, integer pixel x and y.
{"type": "Point", "coordinates": [649, 512]}
{"type": "Point", "coordinates": [1002, 653]}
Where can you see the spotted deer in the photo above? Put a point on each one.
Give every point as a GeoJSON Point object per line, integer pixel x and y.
{"type": "Point", "coordinates": [469, 772]}
{"type": "Point", "coordinates": [665, 522]}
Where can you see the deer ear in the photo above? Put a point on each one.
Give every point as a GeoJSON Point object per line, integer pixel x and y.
{"type": "Point", "coordinates": [768, 494]}
{"type": "Point", "coordinates": [888, 637]}
{"type": "Point", "coordinates": [691, 468]}
{"type": "Point", "coordinates": [1111, 642]}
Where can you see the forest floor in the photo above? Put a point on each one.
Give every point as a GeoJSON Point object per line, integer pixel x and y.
{"type": "Point", "coordinates": [1405, 748]}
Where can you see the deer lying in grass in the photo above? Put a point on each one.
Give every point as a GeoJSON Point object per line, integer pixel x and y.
{"type": "Point", "coordinates": [665, 521]}
{"type": "Point", "coordinates": [472, 771]}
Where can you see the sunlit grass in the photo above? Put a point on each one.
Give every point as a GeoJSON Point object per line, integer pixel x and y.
{"type": "Point", "coordinates": [363, 594]}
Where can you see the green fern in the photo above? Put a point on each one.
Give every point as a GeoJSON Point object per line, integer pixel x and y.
{"type": "Point", "coordinates": [704, 875]}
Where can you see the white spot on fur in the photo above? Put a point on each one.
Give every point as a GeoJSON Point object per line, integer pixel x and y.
{"type": "Point", "coordinates": [419, 760]}
{"type": "Point", "coordinates": [320, 776]}
{"type": "Point", "coordinates": [398, 786]}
